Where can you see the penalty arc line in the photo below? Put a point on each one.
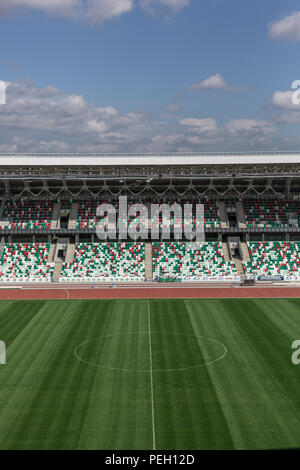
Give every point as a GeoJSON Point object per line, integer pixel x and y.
{"type": "Point", "coordinates": [151, 378]}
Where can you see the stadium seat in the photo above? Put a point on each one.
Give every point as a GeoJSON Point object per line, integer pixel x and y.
{"type": "Point", "coordinates": [271, 214]}
{"type": "Point", "coordinates": [87, 218]}
{"type": "Point", "coordinates": [211, 213]}
{"type": "Point", "coordinates": [273, 259]}
{"type": "Point", "coordinates": [184, 260]}
{"type": "Point", "coordinates": [28, 214]}
{"type": "Point", "coordinates": [26, 262]}
{"type": "Point", "coordinates": [109, 261]}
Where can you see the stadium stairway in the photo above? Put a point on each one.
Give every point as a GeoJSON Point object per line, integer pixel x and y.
{"type": "Point", "coordinates": [57, 270]}
{"type": "Point", "coordinates": [70, 253]}
{"type": "Point", "coordinates": [239, 267]}
{"type": "Point", "coordinates": [240, 215]}
{"type": "Point", "coordinates": [73, 217]}
{"type": "Point", "coordinates": [226, 251]}
{"type": "Point", "coordinates": [223, 214]}
{"type": "Point", "coordinates": [149, 225]}
{"type": "Point", "coordinates": [245, 251]}
{"type": "Point", "coordinates": [148, 262]}
{"type": "Point", "coordinates": [51, 253]}
{"type": "Point", "coordinates": [238, 262]}
{"type": "Point", "coordinates": [55, 215]}
{"type": "Point", "coordinates": [2, 206]}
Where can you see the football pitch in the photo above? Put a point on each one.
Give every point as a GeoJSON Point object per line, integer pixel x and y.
{"type": "Point", "coordinates": [158, 374]}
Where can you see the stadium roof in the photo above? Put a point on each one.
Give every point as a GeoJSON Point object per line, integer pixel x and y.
{"type": "Point", "coordinates": [142, 159]}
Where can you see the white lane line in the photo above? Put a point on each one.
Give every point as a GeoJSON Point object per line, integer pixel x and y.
{"type": "Point", "coordinates": [151, 377]}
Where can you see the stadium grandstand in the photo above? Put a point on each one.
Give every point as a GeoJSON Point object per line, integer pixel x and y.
{"type": "Point", "coordinates": [48, 217]}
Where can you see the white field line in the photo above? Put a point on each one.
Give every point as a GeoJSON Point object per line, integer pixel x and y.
{"type": "Point", "coordinates": [151, 378]}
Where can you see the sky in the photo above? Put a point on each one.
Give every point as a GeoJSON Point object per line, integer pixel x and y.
{"type": "Point", "coordinates": [149, 75]}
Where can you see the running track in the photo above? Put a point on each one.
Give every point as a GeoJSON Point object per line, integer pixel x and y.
{"type": "Point", "coordinates": [150, 293]}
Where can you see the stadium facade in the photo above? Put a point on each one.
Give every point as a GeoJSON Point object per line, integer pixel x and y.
{"type": "Point", "coordinates": [48, 216]}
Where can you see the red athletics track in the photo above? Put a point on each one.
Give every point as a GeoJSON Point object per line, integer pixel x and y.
{"type": "Point", "coordinates": [151, 293]}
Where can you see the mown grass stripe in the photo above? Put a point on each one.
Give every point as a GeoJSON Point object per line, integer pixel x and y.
{"type": "Point", "coordinates": [188, 413]}
{"type": "Point", "coordinates": [42, 338]}
{"type": "Point", "coordinates": [250, 399]}
{"type": "Point", "coordinates": [269, 415]}
{"type": "Point", "coordinates": [14, 316]}
{"type": "Point", "coordinates": [119, 414]}
{"type": "Point", "coordinates": [151, 377]}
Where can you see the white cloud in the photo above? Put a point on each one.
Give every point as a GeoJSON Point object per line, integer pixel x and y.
{"type": "Point", "coordinates": [172, 108]}
{"type": "Point", "coordinates": [99, 11]}
{"type": "Point", "coordinates": [202, 125]}
{"type": "Point", "coordinates": [67, 8]}
{"type": "Point", "coordinates": [45, 116]}
{"type": "Point", "coordinates": [48, 120]}
{"type": "Point", "coordinates": [293, 142]}
{"type": "Point", "coordinates": [30, 108]}
{"type": "Point", "coordinates": [107, 112]}
{"type": "Point", "coordinates": [50, 146]}
{"type": "Point", "coordinates": [284, 100]}
{"type": "Point", "coordinates": [288, 118]}
{"type": "Point", "coordinates": [286, 29]}
{"type": "Point", "coordinates": [70, 105]}
{"type": "Point", "coordinates": [92, 11]}
{"type": "Point", "coordinates": [214, 82]}
{"type": "Point", "coordinates": [249, 127]}
{"type": "Point", "coordinates": [173, 5]}
{"type": "Point", "coordinates": [95, 126]}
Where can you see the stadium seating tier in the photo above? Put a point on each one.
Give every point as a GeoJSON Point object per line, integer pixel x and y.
{"type": "Point", "coordinates": [273, 259]}
{"type": "Point", "coordinates": [106, 262]}
{"type": "Point", "coordinates": [187, 260]}
{"type": "Point", "coordinates": [25, 262]}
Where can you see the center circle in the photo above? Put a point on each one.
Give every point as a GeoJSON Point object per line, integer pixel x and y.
{"type": "Point", "coordinates": [131, 352]}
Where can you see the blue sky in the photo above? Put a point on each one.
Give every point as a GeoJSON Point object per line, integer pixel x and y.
{"type": "Point", "coordinates": [149, 75]}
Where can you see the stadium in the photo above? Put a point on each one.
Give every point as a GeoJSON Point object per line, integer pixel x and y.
{"type": "Point", "coordinates": [48, 217]}
{"type": "Point", "coordinates": [150, 344]}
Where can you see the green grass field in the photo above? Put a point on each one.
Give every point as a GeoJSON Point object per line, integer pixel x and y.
{"type": "Point", "coordinates": [169, 374]}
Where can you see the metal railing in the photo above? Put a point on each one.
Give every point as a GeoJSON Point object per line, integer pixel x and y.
{"type": "Point", "coordinates": [150, 154]}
